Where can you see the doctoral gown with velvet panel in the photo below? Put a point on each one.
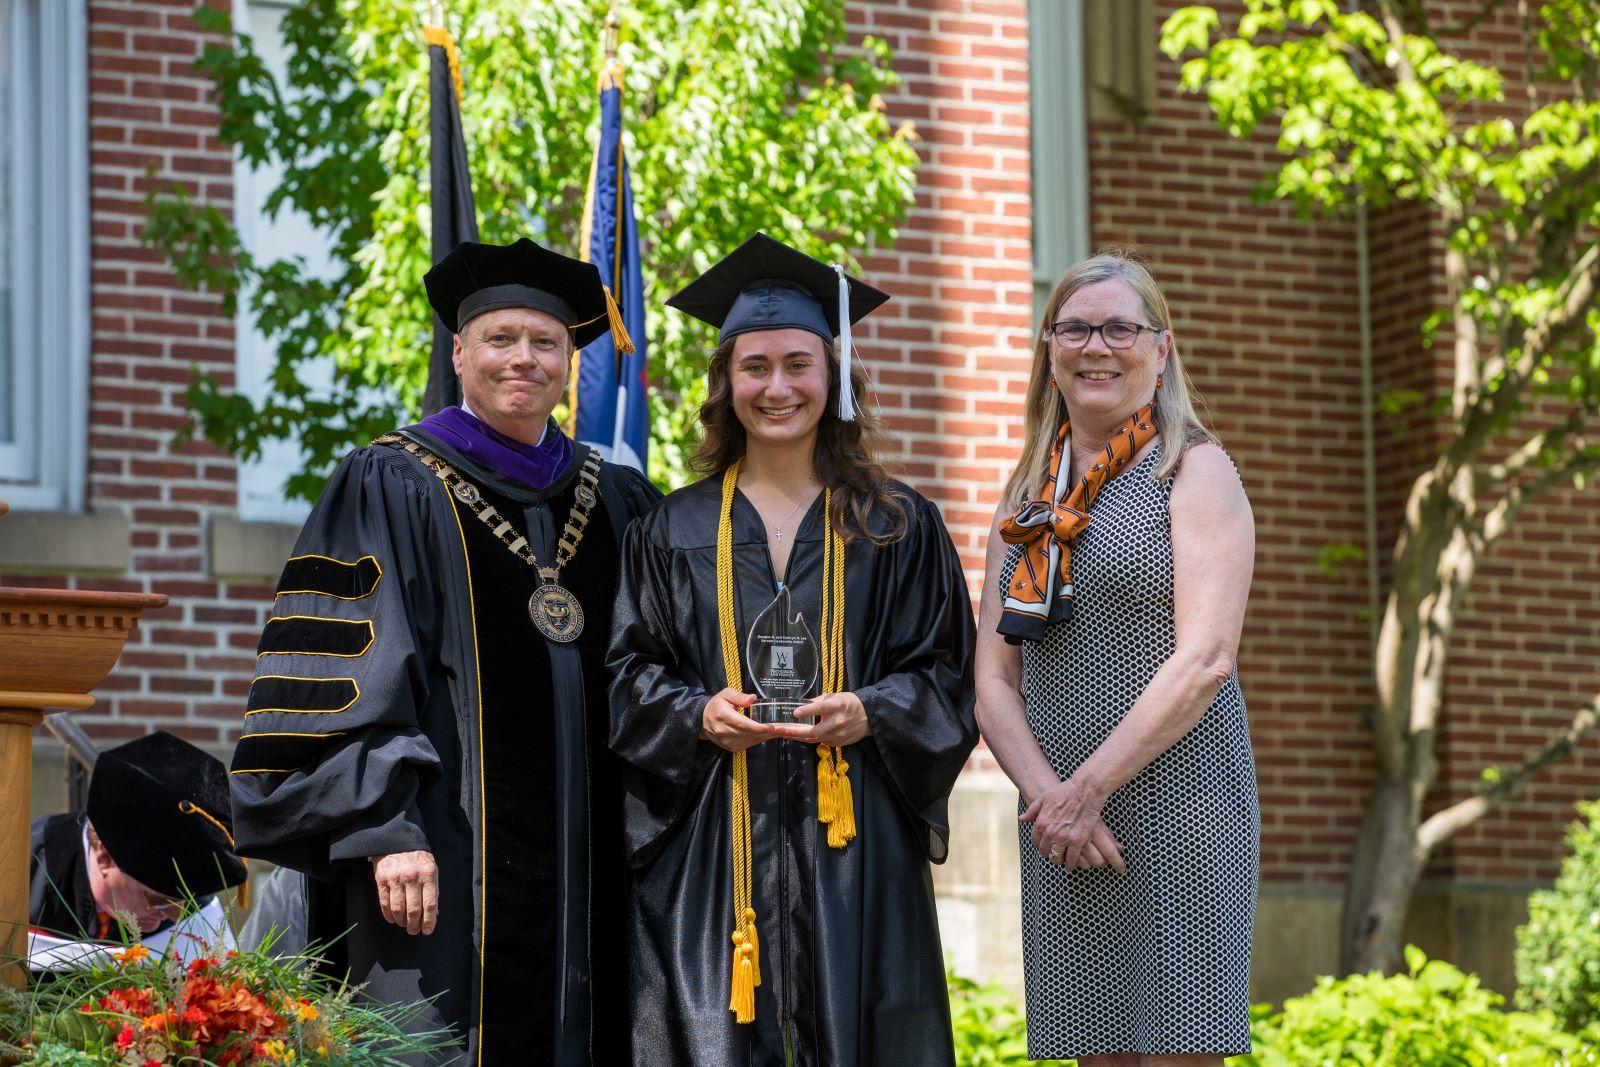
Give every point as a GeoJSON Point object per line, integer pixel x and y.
{"type": "Point", "coordinates": [404, 700]}
{"type": "Point", "coordinates": [851, 966]}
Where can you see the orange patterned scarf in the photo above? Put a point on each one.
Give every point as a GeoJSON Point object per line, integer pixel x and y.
{"type": "Point", "coordinates": [1040, 592]}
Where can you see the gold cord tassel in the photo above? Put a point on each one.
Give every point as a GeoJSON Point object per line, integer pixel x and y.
{"type": "Point", "coordinates": [620, 338]}
{"type": "Point", "coordinates": [835, 799]}
{"type": "Point", "coordinates": [825, 789]}
{"type": "Point", "coordinates": [746, 961]}
{"type": "Point", "coordinates": [742, 1001]}
{"type": "Point", "coordinates": [842, 830]}
{"type": "Point", "coordinates": [754, 941]}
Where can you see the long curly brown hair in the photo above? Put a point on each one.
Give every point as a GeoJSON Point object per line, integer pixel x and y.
{"type": "Point", "coordinates": [846, 455]}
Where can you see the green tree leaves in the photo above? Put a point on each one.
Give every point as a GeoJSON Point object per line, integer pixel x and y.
{"type": "Point", "coordinates": [741, 115]}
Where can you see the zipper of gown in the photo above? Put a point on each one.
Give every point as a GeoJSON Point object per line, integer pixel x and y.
{"type": "Point", "coordinates": [784, 1027]}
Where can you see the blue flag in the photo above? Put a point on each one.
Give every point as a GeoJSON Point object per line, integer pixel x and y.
{"type": "Point", "coordinates": [610, 400]}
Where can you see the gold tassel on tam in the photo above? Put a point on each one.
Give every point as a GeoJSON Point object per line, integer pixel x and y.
{"type": "Point", "coordinates": [619, 329]}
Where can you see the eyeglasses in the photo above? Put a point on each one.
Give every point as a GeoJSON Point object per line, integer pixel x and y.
{"type": "Point", "coordinates": [1115, 334]}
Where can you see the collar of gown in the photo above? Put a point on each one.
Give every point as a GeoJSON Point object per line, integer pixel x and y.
{"type": "Point", "coordinates": [534, 466]}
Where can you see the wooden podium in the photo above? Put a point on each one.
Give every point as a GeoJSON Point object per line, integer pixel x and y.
{"type": "Point", "coordinates": [55, 646]}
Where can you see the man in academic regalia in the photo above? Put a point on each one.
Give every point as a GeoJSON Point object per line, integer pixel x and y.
{"type": "Point", "coordinates": [424, 738]}
{"type": "Point", "coordinates": [155, 835]}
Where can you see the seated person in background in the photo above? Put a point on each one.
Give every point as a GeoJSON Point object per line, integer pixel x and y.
{"type": "Point", "coordinates": [157, 832]}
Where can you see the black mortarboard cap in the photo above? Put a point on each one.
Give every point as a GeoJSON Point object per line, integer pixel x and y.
{"type": "Point", "coordinates": [477, 278]}
{"type": "Point", "coordinates": [766, 285]}
{"type": "Point", "coordinates": [160, 806]}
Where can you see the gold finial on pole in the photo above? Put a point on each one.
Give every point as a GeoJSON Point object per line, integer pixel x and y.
{"type": "Point", "coordinates": [613, 30]}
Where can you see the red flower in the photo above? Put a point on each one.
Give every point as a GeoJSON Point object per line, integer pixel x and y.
{"type": "Point", "coordinates": [125, 1038]}
{"type": "Point", "coordinates": [201, 965]}
{"type": "Point", "coordinates": [128, 1001]}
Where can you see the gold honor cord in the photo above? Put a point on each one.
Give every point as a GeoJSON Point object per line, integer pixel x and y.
{"type": "Point", "coordinates": [835, 799]}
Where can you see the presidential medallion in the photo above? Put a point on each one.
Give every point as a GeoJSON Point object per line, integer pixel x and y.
{"type": "Point", "coordinates": [556, 612]}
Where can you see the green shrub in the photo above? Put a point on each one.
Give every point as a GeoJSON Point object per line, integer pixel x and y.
{"type": "Point", "coordinates": [990, 1029]}
{"type": "Point", "coordinates": [1431, 1016]}
{"type": "Point", "coordinates": [1558, 951]}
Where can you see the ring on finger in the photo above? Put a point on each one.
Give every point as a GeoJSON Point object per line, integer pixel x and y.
{"type": "Point", "coordinates": [1055, 855]}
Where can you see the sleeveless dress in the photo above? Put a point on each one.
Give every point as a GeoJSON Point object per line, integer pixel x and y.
{"type": "Point", "coordinates": [1157, 960]}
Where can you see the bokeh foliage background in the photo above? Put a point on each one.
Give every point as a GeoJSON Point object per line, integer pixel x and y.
{"type": "Point", "coordinates": [742, 115]}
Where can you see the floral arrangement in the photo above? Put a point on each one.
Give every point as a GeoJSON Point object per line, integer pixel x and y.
{"type": "Point", "coordinates": [214, 1009]}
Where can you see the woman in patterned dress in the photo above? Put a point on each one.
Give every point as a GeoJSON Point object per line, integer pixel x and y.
{"type": "Point", "coordinates": [1118, 569]}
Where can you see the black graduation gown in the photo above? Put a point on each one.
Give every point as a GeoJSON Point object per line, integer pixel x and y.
{"type": "Point", "coordinates": [851, 967]}
{"type": "Point", "coordinates": [399, 617]}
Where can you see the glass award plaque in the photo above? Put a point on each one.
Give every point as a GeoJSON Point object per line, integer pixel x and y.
{"type": "Point", "coordinates": [783, 659]}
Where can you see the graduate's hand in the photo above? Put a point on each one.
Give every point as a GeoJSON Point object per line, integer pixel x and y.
{"type": "Point", "coordinates": [408, 890]}
{"type": "Point", "coordinates": [836, 719]}
{"type": "Point", "coordinates": [725, 724]}
{"type": "Point", "coordinates": [1067, 829]}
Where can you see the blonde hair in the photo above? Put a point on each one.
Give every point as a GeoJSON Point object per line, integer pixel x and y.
{"type": "Point", "coordinates": [1175, 414]}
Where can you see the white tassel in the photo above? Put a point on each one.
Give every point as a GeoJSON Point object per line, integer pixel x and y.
{"type": "Point", "coordinates": [847, 401]}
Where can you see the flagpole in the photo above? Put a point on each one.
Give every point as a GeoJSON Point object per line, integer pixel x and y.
{"type": "Point", "coordinates": [610, 35]}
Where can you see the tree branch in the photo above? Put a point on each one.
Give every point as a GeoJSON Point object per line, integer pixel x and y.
{"type": "Point", "coordinates": [1498, 519]}
{"type": "Point", "coordinates": [1576, 294]}
{"type": "Point", "coordinates": [1442, 825]}
{"type": "Point", "coordinates": [1394, 25]}
{"type": "Point", "coordinates": [1574, 297]}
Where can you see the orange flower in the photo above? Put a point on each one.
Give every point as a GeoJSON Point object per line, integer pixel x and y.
{"type": "Point", "coordinates": [160, 1021]}
{"type": "Point", "coordinates": [277, 1050]}
{"type": "Point", "coordinates": [132, 955]}
{"type": "Point", "coordinates": [306, 1011]}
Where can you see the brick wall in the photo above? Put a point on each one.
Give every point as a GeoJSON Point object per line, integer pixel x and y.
{"type": "Point", "coordinates": [152, 125]}
{"type": "Point", "coordinates": [950, 354]}
{"type": "Point", "coordinates": [1265, 316]}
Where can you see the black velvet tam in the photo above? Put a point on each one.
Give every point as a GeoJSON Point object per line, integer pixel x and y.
{"type": "Point", "coordinates": [766, 285]}
{"type": "Point", "coordinates": [477, 278]}
{"type": "Point", "coordinates": [160, 806]}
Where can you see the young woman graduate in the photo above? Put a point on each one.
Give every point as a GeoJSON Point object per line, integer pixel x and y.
{"type": "Point", "coordinates": [782, 905]}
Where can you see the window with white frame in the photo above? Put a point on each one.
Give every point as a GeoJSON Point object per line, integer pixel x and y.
{"type": "Point", "coordinates": [1059, 141]}
{"type": "Point", "coordinates": [270, 237]}
{"type": "Point", "coordinates": [44, 253]}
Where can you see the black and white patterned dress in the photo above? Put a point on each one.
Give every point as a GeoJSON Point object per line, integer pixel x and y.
{"type": "Point", "coordinates": [1157, 960]}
